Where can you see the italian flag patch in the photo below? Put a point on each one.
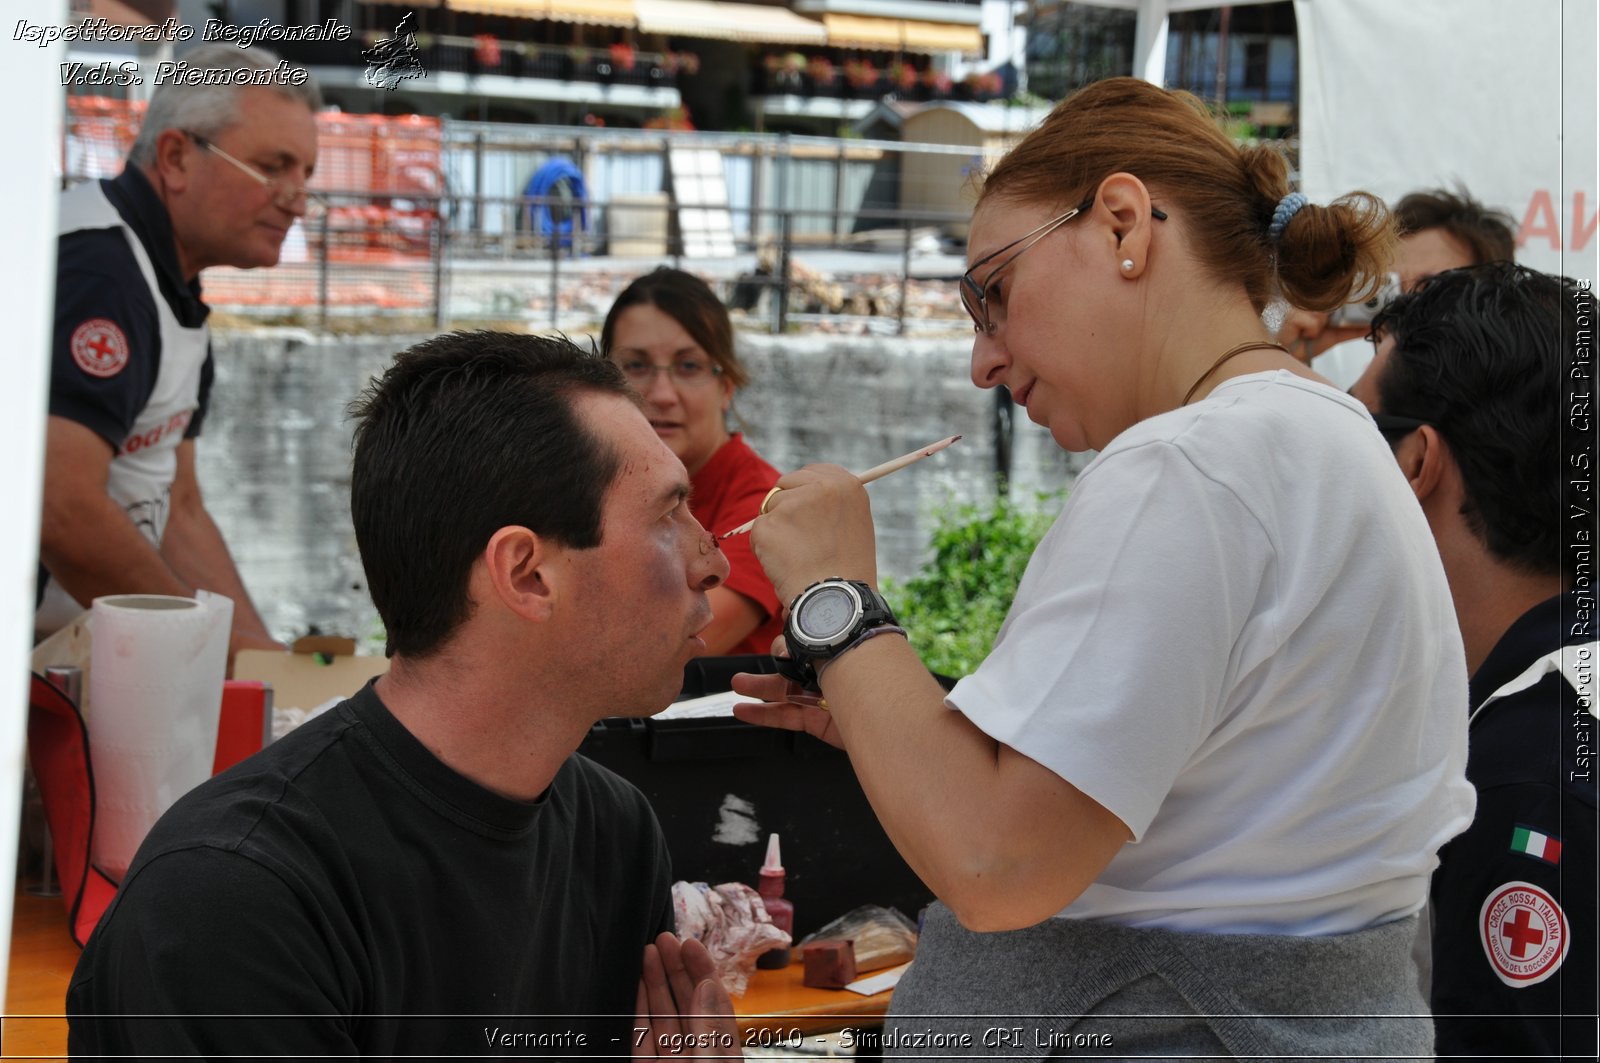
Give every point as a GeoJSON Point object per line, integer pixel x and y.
{"type": "Point", "coordinates": [1539, 846]}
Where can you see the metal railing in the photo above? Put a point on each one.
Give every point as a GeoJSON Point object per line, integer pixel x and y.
{"type": "Point", "coordinates": [360, 263]}
{"type": "Point", "coordinates": [430, 225]}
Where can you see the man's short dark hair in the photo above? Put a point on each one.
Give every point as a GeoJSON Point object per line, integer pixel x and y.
{"type": "Point", "coordinates": [1480, 354]}
{"type": "Point", "coordinates": [1490, 235]}
{"type": "Point", "coordinates": [463, 435]}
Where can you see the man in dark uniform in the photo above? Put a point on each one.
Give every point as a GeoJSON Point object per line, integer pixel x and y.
{"type": "Point", "coordinates": [1468, 386]}
{"type": "Point", "coordinates": [216, 176]}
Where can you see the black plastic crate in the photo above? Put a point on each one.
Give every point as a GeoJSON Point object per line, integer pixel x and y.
{"type": "Point", "coordinates": [701, 776]}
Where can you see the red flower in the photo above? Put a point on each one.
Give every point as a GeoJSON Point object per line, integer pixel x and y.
{"type": "Point", "coordinates": [861, 73]}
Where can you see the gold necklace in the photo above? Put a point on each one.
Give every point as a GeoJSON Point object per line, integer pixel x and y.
{"type": "Point", "coordinates": [1250, 345]}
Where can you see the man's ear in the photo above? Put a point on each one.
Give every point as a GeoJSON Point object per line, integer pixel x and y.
{"type": "Point", "coordinates": [517, 564]}
{"type": "Point", "coordinates": [1123, 202]}
{"type": "Point", "coordinates": [1424, 457]}
{"type": "Point", "coordinates": [173, 162]}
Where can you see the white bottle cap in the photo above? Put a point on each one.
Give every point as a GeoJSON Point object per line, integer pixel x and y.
{"type": "Point", "coordinates": [774, 863]}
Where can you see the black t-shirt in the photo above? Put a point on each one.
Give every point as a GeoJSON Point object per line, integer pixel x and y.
{"type": "Point", "coordinates": [345, 892]}
{"type": "Point", "coordinates": [1524, 873]}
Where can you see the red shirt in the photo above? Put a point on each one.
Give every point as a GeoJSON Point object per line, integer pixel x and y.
{"type": "Point", "coordinates": [728, 491]}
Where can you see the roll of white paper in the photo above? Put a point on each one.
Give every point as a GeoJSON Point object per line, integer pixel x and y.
{"type": "Point", "coordinates": [155, 696]}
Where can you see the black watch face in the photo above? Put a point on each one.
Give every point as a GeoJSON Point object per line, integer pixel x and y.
{"type": "Point", "coordinates": [826, 614]}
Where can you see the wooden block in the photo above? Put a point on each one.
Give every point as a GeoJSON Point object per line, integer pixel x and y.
{"type": "Point", "coordinates": [829, 964]}
{"type": "Point", "coordinates": [330, 645]}
{"type": "Point", "coordinates": [884, 950]}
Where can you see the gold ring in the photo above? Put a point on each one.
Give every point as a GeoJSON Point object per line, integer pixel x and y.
{"type": "Point", "coordinates": [764, 501]}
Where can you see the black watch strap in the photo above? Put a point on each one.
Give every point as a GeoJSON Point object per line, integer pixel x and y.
{"type": "Point", "coordinates": [803, 660]}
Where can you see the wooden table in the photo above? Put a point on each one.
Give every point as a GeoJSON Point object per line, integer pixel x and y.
{"type": "Point", "coordinates": [776, 1008]}
{"type": "Point", "coordinates": [42, 958]}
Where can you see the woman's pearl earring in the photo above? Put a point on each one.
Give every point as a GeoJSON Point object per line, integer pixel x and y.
{"type": "Point", "coordinates": [1127, 265]}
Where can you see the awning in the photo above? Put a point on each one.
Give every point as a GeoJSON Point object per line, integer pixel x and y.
{"type": "Point", "coordinates": [585, 12]}
{"type": "Point", "coordinates": [942, 37]}
{"type": "Point", "coordinates": [119, 14]}
{"type": "Point", "coordinates": [900, 34]}
{"type": "Point", "coordinates": [728, 22]}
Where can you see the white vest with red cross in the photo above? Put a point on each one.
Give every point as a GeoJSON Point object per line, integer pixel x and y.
{"type": "Point", "coordinates": [142, 471]}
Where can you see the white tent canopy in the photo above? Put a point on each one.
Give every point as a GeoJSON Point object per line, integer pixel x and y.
{"type": "Point", "coordinates": [1496, 97]}
{"type": "Point", "coordinates": [30, 77]}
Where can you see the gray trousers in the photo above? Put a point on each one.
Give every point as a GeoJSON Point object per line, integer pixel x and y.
{"type": "Point", "coordinates": [1089, 989]}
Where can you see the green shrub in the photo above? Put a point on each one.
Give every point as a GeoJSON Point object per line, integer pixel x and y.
{"type": "Point", "coordinates": [953, 608]}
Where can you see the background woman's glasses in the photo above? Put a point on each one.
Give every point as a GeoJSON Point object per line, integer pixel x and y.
{"type": "Point", "coordinates": [685, 372]}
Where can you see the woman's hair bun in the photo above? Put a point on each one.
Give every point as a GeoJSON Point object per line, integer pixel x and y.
{"type": "Point", "coordinates": [1326, 255]}
{"type": "Point", "coordinates": [1332, 255]}
{"type": "Point", "coordinates": [1225, 193]}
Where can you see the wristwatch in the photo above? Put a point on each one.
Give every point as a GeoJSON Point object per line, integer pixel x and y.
{"type": "Point", "coordinates": [827, 617]}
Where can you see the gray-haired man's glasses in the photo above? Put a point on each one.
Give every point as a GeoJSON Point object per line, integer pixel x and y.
{"type": "Point", "coordinates": [282, 189]}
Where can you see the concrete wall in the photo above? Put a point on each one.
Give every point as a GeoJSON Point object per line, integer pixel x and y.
{"type": "Point", "coordinates": [275, 454]}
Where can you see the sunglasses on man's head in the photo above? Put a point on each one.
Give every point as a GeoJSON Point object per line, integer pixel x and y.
{"type": "Point", "coordinates": [1396, 425]}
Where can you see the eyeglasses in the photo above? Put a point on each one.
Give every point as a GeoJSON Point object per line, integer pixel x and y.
{"type": "Point", "coordinates": [975, 296]}
{"type": "Point", "coordinates": [1394, 424]}
{"type": "Point", "coordinates": [282, 189]}
{"type": "Point", "coordinates": [684, 372]}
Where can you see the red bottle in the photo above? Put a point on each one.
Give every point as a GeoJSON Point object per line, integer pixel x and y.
{"type": "Point", "coordinates": [770, 886]}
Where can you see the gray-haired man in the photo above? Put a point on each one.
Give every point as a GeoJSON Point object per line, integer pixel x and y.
{"type": "Point", "coordinates": [216, 177]}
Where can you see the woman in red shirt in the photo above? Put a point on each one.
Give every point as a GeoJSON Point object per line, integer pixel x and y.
{"type": "Point", "coordinates": [671, 335]}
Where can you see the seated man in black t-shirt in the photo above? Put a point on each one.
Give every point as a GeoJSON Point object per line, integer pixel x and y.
{"type": "Point", "coordinates": [429, 869]}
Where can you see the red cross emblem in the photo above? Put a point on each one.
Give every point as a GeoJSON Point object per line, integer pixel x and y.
{"type": "Point", "coordinates": [1524, 933]}
{"type": "Point", "coordinates": [1520, 933]}
{"type": "Point", "coordinates": [99, 348]}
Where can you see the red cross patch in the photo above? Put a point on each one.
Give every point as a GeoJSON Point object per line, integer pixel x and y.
{"type": "Point", "coordinates": [99, 347]}
{"type": "Point", "coordinates": [1524, 933]}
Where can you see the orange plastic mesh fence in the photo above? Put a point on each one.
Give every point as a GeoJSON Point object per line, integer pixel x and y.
{"type": "Point", "coordinates": [382, 174]}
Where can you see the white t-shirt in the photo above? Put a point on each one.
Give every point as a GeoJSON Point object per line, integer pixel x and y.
{"type": "Point", "coordinates": [1237, 638]}
{"type": "Point", "coordinates": [1343, 363]}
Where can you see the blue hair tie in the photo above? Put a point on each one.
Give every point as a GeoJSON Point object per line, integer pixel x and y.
{"type": "Point", "coordinates": [1286, 209]}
